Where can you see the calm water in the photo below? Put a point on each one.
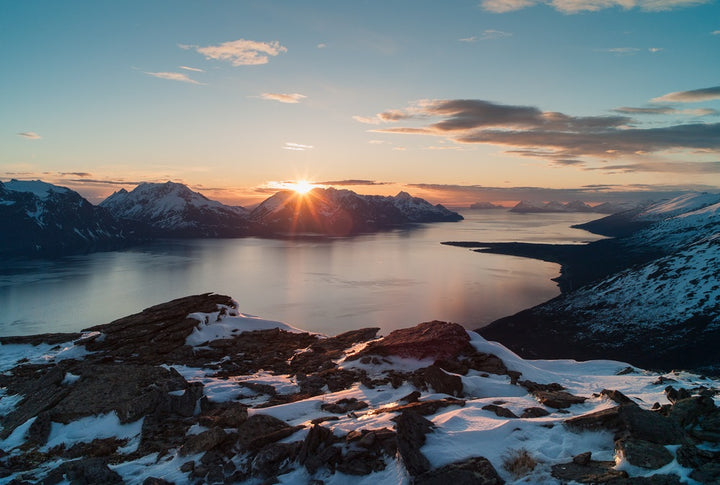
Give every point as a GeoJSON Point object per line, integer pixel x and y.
{"type": "Point", "coordinates": [391, 280]}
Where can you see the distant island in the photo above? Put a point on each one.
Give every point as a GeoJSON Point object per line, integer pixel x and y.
{"type": "Point", "coordinates": [41, 219]}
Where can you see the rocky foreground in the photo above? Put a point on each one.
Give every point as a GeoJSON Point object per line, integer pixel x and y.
{"type": "Point", "coordinates": [192, 391]}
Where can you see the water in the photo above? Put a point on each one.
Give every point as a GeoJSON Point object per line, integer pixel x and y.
{"type": "Point", "coordinates": [391, 280]}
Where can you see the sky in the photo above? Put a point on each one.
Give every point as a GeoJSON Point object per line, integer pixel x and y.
{"type": "Point", "coordinates": [456, 102]}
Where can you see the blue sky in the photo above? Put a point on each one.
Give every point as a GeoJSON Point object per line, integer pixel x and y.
{"type": "Point", "coordinates": [442, 97]}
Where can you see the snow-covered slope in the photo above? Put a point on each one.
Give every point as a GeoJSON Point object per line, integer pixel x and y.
{"type": "Point", "coordinates": [38, 218]}
{"type": "Point", "coordinates": [664, 312]}
{"type": "Point", "coordinates": [189, 417]}
{"type": "Point", "coordinates": [172, 209]}
{"type": "Point", "coordinates": [340, 212]}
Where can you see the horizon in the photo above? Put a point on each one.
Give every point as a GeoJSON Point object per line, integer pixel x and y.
{"type": "Point", "coordinates": [492, 101]}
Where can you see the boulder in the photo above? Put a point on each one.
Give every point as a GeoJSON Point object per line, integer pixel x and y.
{"type": "Point", "coordinates": [558, 399]}
{"type": "Point", "coordinates": [344, 406]}
{"type": "Point", "coordinates": [643, 453]}
{"type": "Point", "coordinates": [471, 471]}
{"type": "Point", "coordinates": [411, 431]}
{"type": "Point", "coordinates": [86, 470]}
{"type": "Point", "coordinates": [630, 420]}
{"type": "Point", "coordinates": [589, 472]}
{"type": "Point", "coordinates": [429, 340]}
{"type": "Point", "coordinates": [274, 459]}
{"type": "Point", "coordinates": [207, 440]}
{"type": "Point", "coordinates": [534, 412]}
{"type": "Point", "coordinates": [688, 411]}
{"type": "Point", "coordinates": [500, 411]}
{"type": "Point", "coordinates": [441, 381]}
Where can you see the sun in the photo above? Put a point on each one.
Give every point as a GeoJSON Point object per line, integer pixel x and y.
{"type": "Point", "coordinates": [301, 186]}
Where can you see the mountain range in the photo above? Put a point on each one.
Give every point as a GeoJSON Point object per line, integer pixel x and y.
{"type": "Point", "coordinates": [41, 219]}
{"type": "Point", "coordinates": [526, 206]}
{"type": "Point", "coordinates": [660, 308]}
{"type": "Point", "coordinates": [46, 220]}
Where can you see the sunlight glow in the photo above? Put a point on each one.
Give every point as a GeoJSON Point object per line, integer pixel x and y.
{"type": "Point", "coordinates": [302, 186]}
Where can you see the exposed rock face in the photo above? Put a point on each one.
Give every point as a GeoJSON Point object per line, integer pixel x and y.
{"type": "Point", "coordinates": [476, 470]}
{"type": "Point", "coordinates": [200, 408]}
{"type": "Point", "coordinates": [436, 340]}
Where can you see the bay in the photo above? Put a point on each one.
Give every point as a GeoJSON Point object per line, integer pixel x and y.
{"type": "Point", "coordinates": [390, 279]}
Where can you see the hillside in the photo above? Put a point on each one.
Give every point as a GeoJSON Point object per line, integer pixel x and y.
{"type": "Point", "coordinates": [659, 313]}
{"type": "Point", "coordinates": [41, 219]}
{"type": "Point", "coordinates": [193, 391]}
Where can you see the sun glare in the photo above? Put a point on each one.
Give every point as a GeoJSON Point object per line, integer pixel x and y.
{"type": "Point", "coordinates": [301, 186]}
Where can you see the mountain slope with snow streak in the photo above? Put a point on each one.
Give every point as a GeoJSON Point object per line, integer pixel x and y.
{"type": "Point", "coordinates": [172, 209]}
{"type": "Point", "coordinates": [41, 219]}
{"type": "Point", "coordinates": [342, 212]}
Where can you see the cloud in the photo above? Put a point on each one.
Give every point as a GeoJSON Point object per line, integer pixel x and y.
{"type": "Point", "coordinates": [502, 6]}
{"type": "Point", "coordinates": [76, 174]}
{"type": "Point", "coordinates": [173, 76]}
{"type": "Point", "coordinates": [321, 45]}
{"type": "Point", "coordinates": [576, 6]}
{"type": "Point", "coordinates": [353, 182]}
{"type": "Point", "coordinates": [194, 69]}
{"type": "Point", "coordinates": [663, 167]}
{"type": "Point", "coordinates": [623, 51]}
{"type": "Point", "coordinates": [30, 135]}
{"type": "Point", "coordinates": [291, 98]}
{"type": "Point", "coordinates": [667, 110]}
{"type": "Point", "coordinates": [694, 96]}
{"type": "Point", "coordinates": [655, 49]}
{"type": "Point", "coordinates": [489, 34]}
{"type": "Point", "coordinates": [528, 131]}
{"type": "Point", "coordinates": [240, 52]}
{"type": "Point", "coordinates": [298, 147]}
{"type": "Point", "coordinates": [715, 32]}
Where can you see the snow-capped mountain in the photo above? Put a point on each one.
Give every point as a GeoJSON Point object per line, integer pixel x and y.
{"type": "Point", "coordinates": [665, 310]}
{"type": "Point", "coordinates": [341, 212]}
{"type": "Point", "coordinates": [38, 218]}
{"type": "Point", "coordinates": [527, 206]}
{"type": "Point", "coordinates": [172, 209]}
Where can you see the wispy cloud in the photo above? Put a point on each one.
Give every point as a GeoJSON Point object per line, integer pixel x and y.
{"type": "Point", "coordinates": [321, 45]}
{"type": "Point", "coordinates": [488, 34]}
{"type": "Point", "coordinates": [551, 135]}
{"type": "Point", "coordinates": [715, 32]}
{"type": "Point", "coordinates": [667, 110]}
{"type": "Point", "coordinates": [75, 174]}
{"type": "Point", "coordinates": [298, 147]}
{"type": "Point", "coordinates": [576, 6]}
{"type": "Point", "coordinates": [655, 49]}
{"type": "Point", "coordinates": [290, 98]}
{"type": "Point", "coordinates": [194, 69]}
{"type": "Point", "coordinates": [30, 135]}
{"type": "Point", "coordinates": [351, 182]}
{"type": "Point", "coordinates": [693, 96]}
{"type": "Point", "coordinates": [241, 52]}
{"type": "Point", "coordinates": [502, 6]}
{"type": "Point", "coordinates": [662, 167]}
{"type": "Point", "coordinates": [173, 76]}
{"type": "Point", "coordinates": [623, 51]}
